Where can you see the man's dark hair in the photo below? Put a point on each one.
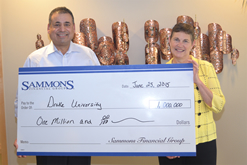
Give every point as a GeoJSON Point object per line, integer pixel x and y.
{"type": "Point", "coordinates": [60, 10]}
{"type": "Point", "coordinates": [184, 27]}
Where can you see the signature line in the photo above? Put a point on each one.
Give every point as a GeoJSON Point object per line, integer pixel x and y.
{"type": "Point", "coordinates": [132, 119]}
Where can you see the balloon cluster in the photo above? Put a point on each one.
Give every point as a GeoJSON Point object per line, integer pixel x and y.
{"type": "Point", "coordinates": [209, 47]}
{"type": "Point", "coordinates": [109, 51]}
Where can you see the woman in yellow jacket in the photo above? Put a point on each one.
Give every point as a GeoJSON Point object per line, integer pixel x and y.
{"type": "Point", "coordinates": [208, 98]}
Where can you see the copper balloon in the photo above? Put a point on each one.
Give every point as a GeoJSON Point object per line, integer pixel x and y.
{"type": "Point", "coordinates": [165, 49]}
{"type": "Point", "coordinates": [105, 38]}
{"type": "Point", "coordinates": [39, 43]}
{"type": "Point", "coordinates": [185, 19]}
{"type": "Point", "coordinates": [151, 31]}
{"type": "Point", "coordinates": [79, 38]}
{"type": "Point", "coordinates": [224, 42]}
{"type": "Point", "coordinates": [216, 58]}
{"type": "Point", "coordinates": [213, 29]}
{"type": "Point", "coordinates": [221, 40]}
{"type": "Point", "coordinates": [234, 56]}
{"type": "Point", "coordinates": [106, 52]}
{"type": "Point", "coordinates": [228, 44]}
{"type": "Point", "coordinates": [121, 58]}
{"type": "Point", "coordinates": [120, 35]}
{"type": "Point", "coordinates": [152, 54]}
{"type": "Point", "coordinates": [205, 47]}
{"type": "Point", "coordinates": [197, 51]}
{"type": "Point", "coordinates": [88, 27]}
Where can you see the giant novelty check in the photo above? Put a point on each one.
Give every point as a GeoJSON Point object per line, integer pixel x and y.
{"type": "Point", "coordinates": [133, 110]}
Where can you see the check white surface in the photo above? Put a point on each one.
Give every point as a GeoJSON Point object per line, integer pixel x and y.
{"type": "Point", "coordinates": [138, 110]}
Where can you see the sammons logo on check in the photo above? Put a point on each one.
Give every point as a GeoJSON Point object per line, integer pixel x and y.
{"type": "Point", "coordinates": [47, 85]}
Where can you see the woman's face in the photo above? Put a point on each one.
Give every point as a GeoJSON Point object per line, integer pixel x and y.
{"type": "Point", "coordinates": [181, 45]}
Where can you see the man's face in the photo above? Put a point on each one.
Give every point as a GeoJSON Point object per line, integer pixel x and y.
{"type": "Point", "coordinates": [61, 29]}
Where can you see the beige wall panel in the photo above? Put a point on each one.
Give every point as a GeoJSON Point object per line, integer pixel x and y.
{"type": "Point", "coordinates": [3, 144]}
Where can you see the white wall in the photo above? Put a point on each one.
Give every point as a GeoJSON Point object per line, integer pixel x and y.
{"type": "Point", "coordinates": [22, 20]}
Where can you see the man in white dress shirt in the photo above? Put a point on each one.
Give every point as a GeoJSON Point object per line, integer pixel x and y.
{"type": "Point", "coordinates": [61, 52]}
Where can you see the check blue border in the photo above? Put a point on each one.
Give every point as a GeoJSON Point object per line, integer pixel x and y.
{"type": "Point", "coordinates": [107, 153]}
{"type": "Point", "coordinates": [105, 69]}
